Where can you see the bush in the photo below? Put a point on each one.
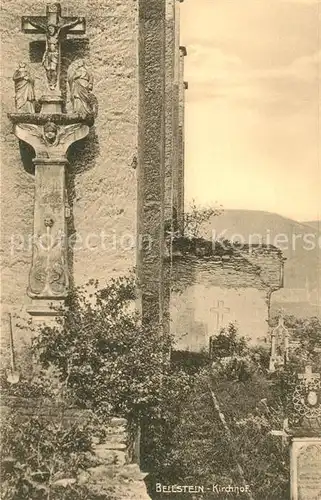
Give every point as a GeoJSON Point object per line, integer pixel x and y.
{"type": "Point", "coordinates": [40, 459]}
{"type": "Point", "coordinates": [201, 425]}
{"type": "Point", "coordinates": [108, 361]}
{"type": "Point", "coordinates": [99, 357]}
{"type": "Point", "coordinates": [219, 430]}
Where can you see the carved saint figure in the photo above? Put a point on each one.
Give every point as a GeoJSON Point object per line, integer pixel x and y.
{"type": "Point", "coordinates": [54, 34]}
{"type": "Point", "coordinates": [24, 90]}
{"type": "Point", "coordinates": [80, 82]}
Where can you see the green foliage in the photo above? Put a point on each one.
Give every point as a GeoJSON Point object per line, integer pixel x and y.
{"type": "Point", "coordinates": [40, 459]}
{"type": "Point", "coordinates": [201, 448]}
{"type": "Point", "coordinates": [108, 361]}
{"type": "Point", "coordinates": [102, 358]}
{"type": "Point", "coordinates": [196, 216]}
{"type": "Point", "coordinates": [228, 343]}
{"type": "Point", "coordinates": [191, 241]}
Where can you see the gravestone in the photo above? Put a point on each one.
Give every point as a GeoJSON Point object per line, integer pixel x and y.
{"type": "Point", "coordinates": [306, 469]}
{"type": "Point", "coordinates": [305, 425]}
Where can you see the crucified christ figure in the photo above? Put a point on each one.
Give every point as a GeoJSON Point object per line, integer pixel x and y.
{"type": "Point", "coordinates": [54, 34]}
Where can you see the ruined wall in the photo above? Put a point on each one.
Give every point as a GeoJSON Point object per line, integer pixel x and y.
{"type": "Point", "coordinates": [109, 471]}
{"type": "Point", "coordinates": [212, 292]}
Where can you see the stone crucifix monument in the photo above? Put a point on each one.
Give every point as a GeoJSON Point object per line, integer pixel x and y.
{"type": "Point", "coordinates": [50, 132]}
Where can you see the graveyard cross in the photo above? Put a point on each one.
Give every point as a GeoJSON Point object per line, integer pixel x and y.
{"type": "Point", "coordinates": [219, 311]}
{"type": "Point", "coordinates": [55, 27]}
{"type": "Point", "coordinates": [308, 376]}
{"type": "Point", "coordinates": [284, 433]}
{"type": "Point", "coordinates": [307, 397]}
{"type": "Point", "coordinates": [279, 345]}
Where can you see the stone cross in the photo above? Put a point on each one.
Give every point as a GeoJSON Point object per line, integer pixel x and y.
{"type": "Point", "coordinates": [307, 400]}
{"type": "Point", "coordinates": [55, 28]}
{"type": "Point", "coordinates": [279, 345]}
{"type": "Point", "coordinates": [284, 433]}
{"type": "Point", "coordinates": [50, 132]}
{"type": "Point", "coordinates": [308, 376]}
{"type": "Point", "coordinates": [219, 311]}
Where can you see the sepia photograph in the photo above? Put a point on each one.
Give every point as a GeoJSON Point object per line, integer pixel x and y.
{"type": "Point", "coordinates": [160, 250]}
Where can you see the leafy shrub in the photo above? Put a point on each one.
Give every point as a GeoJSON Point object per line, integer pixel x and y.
{"type": "Point", "coordinates": [40, 459]}
{"type": "Point", "coordinates": [204, 448]}
{"type": "Point", "coordinates": [196, 216]}
{"type": "Point", "coordinates": [107, 359]}
{"type": "Point", "coordinates": [99, 357]}
{"type": "Point", "coordinates": [102, 358]}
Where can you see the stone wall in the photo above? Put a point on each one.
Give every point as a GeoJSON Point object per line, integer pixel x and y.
{"type": "Point", "coordinates": [173, 112]}
{"type": "Point", "coordinates": [151, 157]}
{"type": "Point", "coordinates": [116, 176]}
{"type": "Point", "coordinates": [102, 173]}
{"type": "Point", "coordinates": [169, 105]}
{"type": "Point", "coordinates": [111, 464]}
{"type": "Point", "coordinates": [211, 292]}
{"type": "Point", "coordinates": [177, 139]}
{"type": "Point", "coordinates": [180, 171]}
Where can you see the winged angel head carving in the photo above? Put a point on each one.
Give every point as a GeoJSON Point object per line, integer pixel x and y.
{"type": "Point", "coordinates": [49, 135]}
{"type": "Point", "coordinates": [50, 132]}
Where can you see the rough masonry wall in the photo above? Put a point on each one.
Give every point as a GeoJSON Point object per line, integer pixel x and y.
{"type": "Point", "coordinates": [176, 136]}
{"type": "Point", "coordinates": [271, 262]}
{"type": "Point", "coordinates": [151, 158]}
{"type": "Point", "coordinates": [181, 141]}
{"type": "Point", "coordinates": [102, 186]}
{"type": "Point", "coordinates": [110, 471]}
{"type": "Point", "coordinates": [169, 105]}
{"type": "Point", "coordinates": [209, 294]}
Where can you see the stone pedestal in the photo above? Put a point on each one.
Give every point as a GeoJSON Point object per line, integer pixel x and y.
{"type": "Point", "coordinates": [50, 133]}
{"type": "Point", "coordinates": [306, 468]}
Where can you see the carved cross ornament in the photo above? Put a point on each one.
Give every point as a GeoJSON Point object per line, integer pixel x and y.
{"type": "Point", "coordinates": [219, 311]}
{"type": "Point", "coordinates": [50, 132]}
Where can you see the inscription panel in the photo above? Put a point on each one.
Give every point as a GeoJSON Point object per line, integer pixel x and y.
{"type": "Point", "coordinates": [306, 469]}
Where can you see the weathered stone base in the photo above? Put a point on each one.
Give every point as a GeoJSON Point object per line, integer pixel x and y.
{"type": "Point", "coordinates": [306, 468]}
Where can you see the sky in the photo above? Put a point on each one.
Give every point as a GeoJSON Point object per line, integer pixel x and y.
{"type": "Point", "coordinates": [253, 135]}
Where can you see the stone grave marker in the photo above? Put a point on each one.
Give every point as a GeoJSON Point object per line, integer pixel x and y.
{"type": "Point", "coordinates": [306, 468]}
{"type": "Point", "coordinates": [305, 457]}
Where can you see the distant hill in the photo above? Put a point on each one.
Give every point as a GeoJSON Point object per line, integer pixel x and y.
{"type": "Point", "coordinates": [316, 224]}
{"type": "Point", "coordinates": [299, 242]}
